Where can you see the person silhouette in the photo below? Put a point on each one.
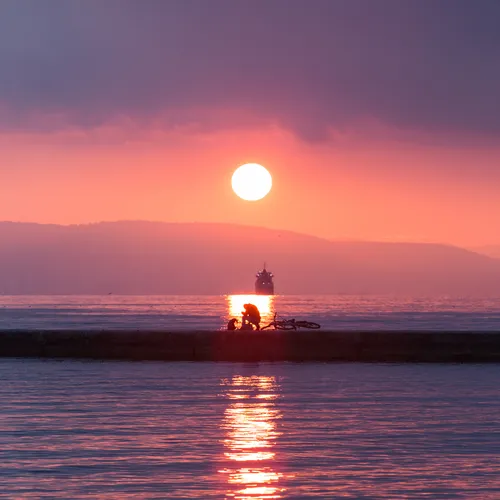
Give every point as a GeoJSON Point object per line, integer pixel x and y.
{"type": "Point", "coordinates": [251, 316]}
{"type": "Point", "coordinates": [231, 324]}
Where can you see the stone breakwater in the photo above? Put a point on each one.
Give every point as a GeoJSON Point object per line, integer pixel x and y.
{"type": "Point", "coordinates": [238, 346]}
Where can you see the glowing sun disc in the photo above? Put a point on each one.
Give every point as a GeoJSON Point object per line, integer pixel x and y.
{"type": "Point", "coordinates": [251, 182]}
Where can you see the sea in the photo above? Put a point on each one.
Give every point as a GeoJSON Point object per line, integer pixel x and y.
{"type": "Point", "coordinates": [211, 312]}
{"type": "Point", "coordinates": [75, 429]}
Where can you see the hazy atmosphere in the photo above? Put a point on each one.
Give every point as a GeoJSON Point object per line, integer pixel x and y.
{"type": "Point", "coordinates": [378, 120]}
{"type": "Point", "coordinates": [250, 249]}
{"type": "Point", "coordinates": [163, 258]}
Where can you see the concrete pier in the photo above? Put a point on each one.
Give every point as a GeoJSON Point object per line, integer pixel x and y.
{"type": "Point", "coordinates": [238, 346]}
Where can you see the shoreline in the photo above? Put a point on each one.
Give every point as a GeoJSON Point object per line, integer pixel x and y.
{"type": "Point", "coordinates": [268, 346]}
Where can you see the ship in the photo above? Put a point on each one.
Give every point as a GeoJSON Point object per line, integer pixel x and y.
{"type": "Point", "coordinates": [264, 283]}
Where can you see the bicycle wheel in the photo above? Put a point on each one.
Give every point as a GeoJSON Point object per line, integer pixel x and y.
{"type": "Point", "coordinates": [284, 325]}
{"type": "Point", "coordinates": [308, 324]}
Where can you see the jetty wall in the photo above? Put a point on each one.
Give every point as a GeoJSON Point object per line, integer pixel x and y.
{"type": "Point", "coordinates": [239, 346]}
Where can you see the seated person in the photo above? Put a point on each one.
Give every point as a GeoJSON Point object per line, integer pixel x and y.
{"type": "Point", "coordinates": [231, 324]}
{"type": "Point", "coordinates": [251, 316]}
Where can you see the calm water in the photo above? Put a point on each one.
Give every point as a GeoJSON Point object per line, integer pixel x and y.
{"type": "Point", "coordinates": [213, 312]}
{"type": "Point", "coordinates": [71, 429]}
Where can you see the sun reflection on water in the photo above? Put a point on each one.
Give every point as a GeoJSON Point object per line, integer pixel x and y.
{"type": "Point", "coordinates": [265, 304]}
{"type": "Point", "coordinates": [250, 426]}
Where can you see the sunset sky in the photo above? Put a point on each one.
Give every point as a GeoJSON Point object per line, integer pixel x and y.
{"type": "Point", "coordinates": [378, 120]}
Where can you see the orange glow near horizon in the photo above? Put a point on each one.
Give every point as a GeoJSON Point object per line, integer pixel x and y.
{"type": "Point", "coordinates": [371, 189]}
{"type": "Point", "coordinates": [250, 427]}
{"type": "Point", "coordinates": [264, 303]}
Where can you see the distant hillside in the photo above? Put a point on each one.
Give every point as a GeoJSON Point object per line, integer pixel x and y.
{"type": "Point", "coordinates": [491, 251]}
{"type": "Point", "coordinates": [164, 258]}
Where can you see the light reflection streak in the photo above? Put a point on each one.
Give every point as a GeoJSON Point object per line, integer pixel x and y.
{"type": "Point", "coordinates": [250, 425]}
{"type": "Point", "coordinates": [265, 304]}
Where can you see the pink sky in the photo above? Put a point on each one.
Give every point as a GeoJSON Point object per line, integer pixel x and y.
{"type": "Point", "coordinates": [377, 120]}
{"type": "Point", "coordinates": [351, 187]}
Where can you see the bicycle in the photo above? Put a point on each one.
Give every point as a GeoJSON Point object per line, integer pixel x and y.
{"type": "Point", "coordinates": [290, 324]}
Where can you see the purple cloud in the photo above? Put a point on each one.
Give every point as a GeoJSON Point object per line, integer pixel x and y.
{"type": "Point", "coordinates": [310, 65]}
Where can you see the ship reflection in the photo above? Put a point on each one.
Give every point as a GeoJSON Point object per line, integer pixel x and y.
{"type": "Point", "coordinates": [250, 435]}
{"type": "Point", "coordinates": [265, 304]}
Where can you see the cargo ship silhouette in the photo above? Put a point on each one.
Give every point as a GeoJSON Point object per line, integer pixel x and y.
{"type": "Point", "coordinates": [264, 284]}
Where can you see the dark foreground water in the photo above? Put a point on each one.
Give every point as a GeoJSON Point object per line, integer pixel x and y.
{"type": "Point", "coordinates": [211, 312]}
{"type": "Point", "coordinates": [72, 429]}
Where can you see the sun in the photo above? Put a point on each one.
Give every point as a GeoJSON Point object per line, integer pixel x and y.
{"type": "Point", "coordinates": [251, 181]}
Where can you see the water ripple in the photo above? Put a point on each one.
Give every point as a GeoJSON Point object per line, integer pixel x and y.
{"type": "Point", "coordinates": [75, 429]}
{"type": "Point", "coordinates": [336, 312]}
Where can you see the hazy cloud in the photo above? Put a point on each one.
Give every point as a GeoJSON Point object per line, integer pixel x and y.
{"type": "Point", "coordinates": [310, 65]}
